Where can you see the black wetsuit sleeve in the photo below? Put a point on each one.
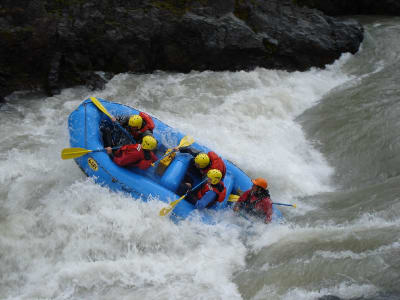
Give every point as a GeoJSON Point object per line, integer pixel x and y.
{"type": "Point", "coordinates": [147, 132]}
{"type": "Point", "coordinates": [123, 120]}
{"type": "Point", "coordinates": [107, 138]}
{"type": "Point", "coordinates": [192, 151]}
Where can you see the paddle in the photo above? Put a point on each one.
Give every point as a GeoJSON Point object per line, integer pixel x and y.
{"type": "Point", "coordinates": [164, 211]}
{"type": "Point", "coordinates": [235, 198]}
{"type": "Point", "coordinates": [69, 153]}
{"type": "Point", "coordinates": [104, 110]}
{"type": "Point", "coordinates": [284, 204]}
{"type": "Point", "coordinates": [185, 142]}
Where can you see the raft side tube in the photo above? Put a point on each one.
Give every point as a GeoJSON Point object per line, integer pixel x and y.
{"type": "Point", "coordinates": [229, 182]}
{"type": "Point", "coordinates": [173, 176]}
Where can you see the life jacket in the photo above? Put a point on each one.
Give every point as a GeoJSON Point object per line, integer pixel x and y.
{"type": "Point", "coordinates": [250, 206]}
{"type": "Point", "coordinates": [133, 155]}
{"type": "Point", "coordinates": [216, 162]}
{"type": "Point", "coordinates": [218, 188]}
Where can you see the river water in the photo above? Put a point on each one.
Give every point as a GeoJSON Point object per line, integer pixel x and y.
{"type": "Point", "coordinates": [327, 140]}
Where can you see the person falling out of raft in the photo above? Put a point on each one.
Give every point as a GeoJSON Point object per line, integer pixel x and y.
{"type": "Point", "coordinates": [210, 193]}
{"type": "Point", "coordinates": [138, 125]}
{"type": "Point", "coordinates": [135, 155]}
{"type": "Point", "coordinates": [256, 201]}
{"type": "Point", "coordinates": [200, 164]}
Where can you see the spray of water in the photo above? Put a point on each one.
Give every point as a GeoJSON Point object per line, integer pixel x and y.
{"type": "Point", "coordinates": [62, 236]}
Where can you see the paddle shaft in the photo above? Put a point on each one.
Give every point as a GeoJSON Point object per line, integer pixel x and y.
{"type": "Point", "coordinates": [104, 149]}
{"type": "Point", "coordinates": [235, 198]}
{"type": "Point", "coordinates": [192, 189]}
{"type": "Point", "coordinates": [172, 205]}
{"type": "Point", "coordinates": [126, 132]}
{"type": "Point", "coordinates": [284, 204]}
{"type": "Point", "coordinates": [185, 142]}
{"type": "Point", "coordinates": [165, 155]}
{"type": "Point", "coordinates": [69, 153]}
{"type": "Point", "coordinates": [100, 106]}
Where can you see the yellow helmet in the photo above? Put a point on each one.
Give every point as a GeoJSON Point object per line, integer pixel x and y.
{"type": "Point", "coordinates": [135, 121]}
{"type": "Point", "coordinates": [215, 175]}
{"type": "Point", "coordinates": [202, 160]}
{"type": "Point", "coordinates": [149, 142]}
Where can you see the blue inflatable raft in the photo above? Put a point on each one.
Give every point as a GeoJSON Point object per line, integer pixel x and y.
{"type": "Point", "coordinates": [84, 123]}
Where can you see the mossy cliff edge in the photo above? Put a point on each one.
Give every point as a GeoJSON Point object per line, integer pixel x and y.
{"type": "Point", "coordinates": [56, 44]}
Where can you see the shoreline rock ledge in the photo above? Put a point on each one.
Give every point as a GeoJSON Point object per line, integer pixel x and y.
{"type": "Point", "coordinates": [52, 45]}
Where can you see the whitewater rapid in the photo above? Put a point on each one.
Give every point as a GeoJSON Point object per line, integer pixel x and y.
{"type": "Point", "coordinates": [64, 237]}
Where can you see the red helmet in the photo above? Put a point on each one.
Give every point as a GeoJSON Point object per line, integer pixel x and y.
{"type": "Point", "coordinates": [261, 182]}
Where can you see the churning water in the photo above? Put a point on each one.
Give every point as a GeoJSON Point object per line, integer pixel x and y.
{"type": "Point", "coordinates": [327, 140]}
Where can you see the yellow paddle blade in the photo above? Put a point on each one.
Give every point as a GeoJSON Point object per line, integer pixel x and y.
{"type": "Point", "coordinates": [294, 205]}
{"type": "Point", "coordinates": [164, 211]}
{"type": "Point", "coordinates": [233, 198]}
{"type": "Point", "coordinates": [186, 141]}
{"type": "Point", "coordinates": [100, 106]}
{"type": "Point", "coordinates": [69, 153]}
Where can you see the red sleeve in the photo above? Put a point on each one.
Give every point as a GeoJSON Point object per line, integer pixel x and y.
{"type": "Point", "coordinates": [145, 164]}
{"type": "Point", "coordinates": [127, 156]}
{"type": "Point", "coordinates": [217, 163]}
{"type": "Point", "coordinates": [118, 153]}
{"type": "Point", "coordinates": [243, 197]}
{"type": "Point", "coordinates": [153, 157]}
{"type": "Point", "coordinates": [135, 135]}
{"type": "Point", "coordinates": [149, 122]}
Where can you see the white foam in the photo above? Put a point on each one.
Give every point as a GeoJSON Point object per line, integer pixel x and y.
{"type": "Point", "coordinates": [345, 290]}
{"type": "Point", "coordinates": [65, 237]}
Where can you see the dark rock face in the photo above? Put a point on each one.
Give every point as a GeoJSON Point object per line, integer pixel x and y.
{"type": "Point", "coordinates": [358, 7]}
{"type": "Point", "coordinates": [56, 44]}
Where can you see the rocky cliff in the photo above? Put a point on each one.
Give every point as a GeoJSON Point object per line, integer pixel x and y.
{"type": "Point", "coordinates": [60, 43]}
{"type": "Point", "coordinates": [355, 7]}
